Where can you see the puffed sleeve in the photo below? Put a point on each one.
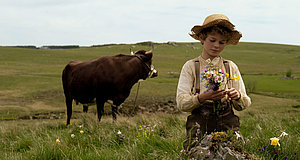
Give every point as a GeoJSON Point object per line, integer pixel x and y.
{"type": "Point", "coordinates": [239, 85]}
{"type": "Point", "coordinates": [186, 100]}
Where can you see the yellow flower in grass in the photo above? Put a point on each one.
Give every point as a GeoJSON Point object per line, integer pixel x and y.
{"type": "Point", "coordinates": [71, 122]}
{"type": "Point", "coordinates": [57, 140]}
{"type": "Point", "coordinates": [81, 131]}
{"type": "Point", "coordinates": [274, 141]}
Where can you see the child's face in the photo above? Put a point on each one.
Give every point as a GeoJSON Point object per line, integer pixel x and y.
{"type": "Point", "coordinates": [213, 45]}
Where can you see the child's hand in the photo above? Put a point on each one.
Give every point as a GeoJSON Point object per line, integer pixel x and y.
{"type": "Point", "coordinates": [233, 94]}
{"type": "Point", "coordinates": [211, 95]}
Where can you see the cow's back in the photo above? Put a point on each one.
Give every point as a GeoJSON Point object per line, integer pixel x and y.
{"type": "Point", "coordinates": [105, 76]}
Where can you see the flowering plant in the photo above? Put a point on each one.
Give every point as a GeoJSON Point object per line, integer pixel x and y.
{"type": "Point", "coordinates": [274, 150]}
{"type": "Point", "coordinates": [212, 146]}
{"type": "Point", "coordinates": [145, 131]}
{"type": "Point", "coordinates": [213, 76]}
{"type": "Point", "coordinates": [119, 137]}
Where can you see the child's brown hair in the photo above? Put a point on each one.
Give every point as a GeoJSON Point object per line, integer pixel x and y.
{"type": "Point", "coordinates": [224, 31]}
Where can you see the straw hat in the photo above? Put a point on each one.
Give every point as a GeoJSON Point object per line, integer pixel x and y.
{"type": "Point", "coordinates": [217, 19]}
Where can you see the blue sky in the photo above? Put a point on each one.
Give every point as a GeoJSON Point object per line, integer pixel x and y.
{"type": "Point", "coordinates": [92, 22]}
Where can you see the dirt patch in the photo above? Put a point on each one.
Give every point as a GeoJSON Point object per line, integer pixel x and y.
{"type": "Point", "coordinates": [50, 105]}
{"type": "Point", "coordinates": [51, 115]}
{"type": "Point", "coordinates": [39, 110]}
{"type": "Point", "coordinates": [130, 110]}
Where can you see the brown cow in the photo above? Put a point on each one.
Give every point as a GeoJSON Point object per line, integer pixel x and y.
{"type": "Point", "coordinates": [105, 78]}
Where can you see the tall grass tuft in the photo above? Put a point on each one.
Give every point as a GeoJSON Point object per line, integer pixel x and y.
{"type": "Point", "coordinates": [288, 73]}
{"type": "Point", "coordinates": [251, 86]}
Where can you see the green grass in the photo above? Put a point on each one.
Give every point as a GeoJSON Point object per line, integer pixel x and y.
{"type": "Point", "coordinates": [98, 141]}
{"type": "Point", "coordinates": [268, 117]}
{"type": "Point", "coordinates": [30, 85]}
{"type": "Point", "coordinates": [275, 84]}
{"type": "Point", "coordinates": [36, 139]}
{"type": "Point", "coordinates": [28, 71]}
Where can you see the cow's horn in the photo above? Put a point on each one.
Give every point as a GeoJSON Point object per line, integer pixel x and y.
{"type": "Point", "coordinates": [149, 52]}
{"type": "Point", "coordinates": [131, 52]}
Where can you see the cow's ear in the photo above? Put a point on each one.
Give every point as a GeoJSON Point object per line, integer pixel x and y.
{"type": "Point", "coordinates": [146, 57]}
{"type": "Point", "coordinates": [140, 52]}
{"type": "Point", "coordinates": [149, 55]}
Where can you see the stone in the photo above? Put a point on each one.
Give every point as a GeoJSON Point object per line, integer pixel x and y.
{"type": "Point", "coordinates": [204, 150]}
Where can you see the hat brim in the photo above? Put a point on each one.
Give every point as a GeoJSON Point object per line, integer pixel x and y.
{"type": "Point", "coordinates": [235, 35]}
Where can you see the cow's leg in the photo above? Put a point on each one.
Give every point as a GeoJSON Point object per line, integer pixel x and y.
{"type": "Point", "coordinates": [85, 108]}
{"type": "Point", "coordinates": [100, 107]}
{"type": "Point", "coordinates": [69, 109]}
{"type": "Point", "coordinates": [114, 110]}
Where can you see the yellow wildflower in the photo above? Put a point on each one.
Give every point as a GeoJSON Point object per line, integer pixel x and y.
{"type": "Point", "coordinates": [226, 75]}
{"type": "Point", "coordinates": [57, 140]}
{"type": "Point", "coordinates": [235, 78]}
{"type": "Point", "coordinates": [81, 131]}
{"type": "Point", "coordinates": [71, 122]}
{"type": "Point", "coordinates": [274, 141]}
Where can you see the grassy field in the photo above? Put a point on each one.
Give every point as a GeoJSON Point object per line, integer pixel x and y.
{"type": "Point", "coordinates": [30, 86]}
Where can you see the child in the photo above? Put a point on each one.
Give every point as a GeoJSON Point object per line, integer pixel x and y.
{"type": "Point", "coordinates": [194, 95]}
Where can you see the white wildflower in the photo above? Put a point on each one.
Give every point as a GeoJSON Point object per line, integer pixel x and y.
{"type": "Point", "coordinates": [237, 135]}
{"type": "Point", "coordinates": [283, 134]}
{"type": "Point", "coordinates": [119, 132]}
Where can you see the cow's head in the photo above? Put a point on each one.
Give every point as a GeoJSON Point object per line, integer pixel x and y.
{"type": "Point", "coordinates": [146, 58]}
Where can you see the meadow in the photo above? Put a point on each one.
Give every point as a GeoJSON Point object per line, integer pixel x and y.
{"type": "Point", "coordinates": [32, 108]}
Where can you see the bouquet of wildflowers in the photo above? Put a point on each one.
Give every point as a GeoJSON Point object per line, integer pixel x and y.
{"type": "Point", "coordinates": [213, 76]}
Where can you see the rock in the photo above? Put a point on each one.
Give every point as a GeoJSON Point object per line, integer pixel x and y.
{"type": "Point", "coordinates": [210, 149]}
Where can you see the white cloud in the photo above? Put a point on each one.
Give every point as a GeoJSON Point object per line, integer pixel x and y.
{"type": "Point", "coordinates": [42, 22]}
